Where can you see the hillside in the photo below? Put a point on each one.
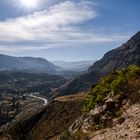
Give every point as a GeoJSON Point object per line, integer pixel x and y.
{"type": "Point", "coordinates": [81, 83]}
{"type": "Point", "coordinates": [48, 122]}
{"type": "Point", "coordinates": [111, 109]}
{"type": "Point", "coordinates": [16, 88]}
{"type": "Point", "coordinates": [26, 64]}
{"type": "Point", "coordinates": [121, 57]}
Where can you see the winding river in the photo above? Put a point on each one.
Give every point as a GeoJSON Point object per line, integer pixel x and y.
{"type": "Point", "coordinates": [40, 98]}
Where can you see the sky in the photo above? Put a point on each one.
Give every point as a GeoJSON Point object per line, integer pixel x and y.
{"type": "Point", "coordinates": [69, 30]}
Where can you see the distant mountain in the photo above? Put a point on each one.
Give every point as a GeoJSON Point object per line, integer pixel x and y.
{"type": "Point", "coordinates": [75, 65]}
{"type": "Point", "coordinates": [26, 64]}
{"type": "Point", "coordinates": [125, 55]}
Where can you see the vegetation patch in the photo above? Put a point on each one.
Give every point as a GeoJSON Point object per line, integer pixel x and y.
{"type": "Point", "coordinates": [116, 85]}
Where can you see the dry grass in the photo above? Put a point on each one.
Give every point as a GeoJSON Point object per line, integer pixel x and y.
{"type": "Point", "coordinates": [80, 96]}
{"type": "Point", "coordinates": [54, 119]}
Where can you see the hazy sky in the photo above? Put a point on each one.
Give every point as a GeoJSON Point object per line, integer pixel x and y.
{"type": "Point", "coordinates": [66, 30]}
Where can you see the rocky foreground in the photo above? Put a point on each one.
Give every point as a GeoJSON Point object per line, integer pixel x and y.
{"type": "Point", "coordinates": [112, 109]}
{"type": "Point", "coordinates": [126, 127]}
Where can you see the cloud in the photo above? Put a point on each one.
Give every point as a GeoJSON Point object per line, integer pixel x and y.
{"type": "Point", "coordinates": [14, 48]}
{"type": "Point", "coordinates": [51, 24]}
{"type": "Point", "coordinates": [57, 26]}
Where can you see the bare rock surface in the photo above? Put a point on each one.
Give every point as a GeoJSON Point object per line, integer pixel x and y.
{"type": "Point", "coordinates": [128, 129]}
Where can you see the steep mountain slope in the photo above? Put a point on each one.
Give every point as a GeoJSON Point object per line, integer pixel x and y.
{"type": "Point", "coordinates": [26, 64]}
{"type": "Point", "coordinates": [81, 83]}
{"type": "Point", "coordinates": [125, 55]}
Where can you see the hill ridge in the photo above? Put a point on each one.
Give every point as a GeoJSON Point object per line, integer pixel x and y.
{"type": "Point", "coordinates": [26, 64]}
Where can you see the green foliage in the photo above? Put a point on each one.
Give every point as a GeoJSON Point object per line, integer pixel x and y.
{"type": "Point", "coordinates": [65, 135]}
{"type": "Point", "coordinates": [132, 71]}
{"type": "Point", "coordinates": [118, 112]}
{"type": "Point", "coordinates": [112, 85]}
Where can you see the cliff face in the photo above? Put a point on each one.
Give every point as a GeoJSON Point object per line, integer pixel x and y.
{"type": "Point", "coordinates": [125, 55]}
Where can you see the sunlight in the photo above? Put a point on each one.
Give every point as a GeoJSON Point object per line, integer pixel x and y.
{"type": "Point", "coordinates": [29, 3]}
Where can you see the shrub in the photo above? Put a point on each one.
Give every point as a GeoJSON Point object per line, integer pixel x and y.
{"type": "Point", "coordinates": [65, 135]}
{"type": "Point", "coordinates": [115, 84]}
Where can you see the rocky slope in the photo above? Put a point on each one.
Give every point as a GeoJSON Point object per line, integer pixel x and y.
{"type": "Point", "coordinates": [113, 109]}
{"type": "Point", "coordinates": [125, 55]}
{"type": "Point", "coordinates": [127, 127]}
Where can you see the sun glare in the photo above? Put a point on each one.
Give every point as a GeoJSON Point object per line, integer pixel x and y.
{"type": "Point", "coordinates": [29, 3]}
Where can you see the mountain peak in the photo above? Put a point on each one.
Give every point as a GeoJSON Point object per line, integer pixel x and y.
{"type": "Point", "coordinates": [137, 35]}
{"type": "Point", "coordinates": [125, 55]}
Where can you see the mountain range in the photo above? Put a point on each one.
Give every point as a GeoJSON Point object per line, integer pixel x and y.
{"type": "Point", "coordinates": [26, 64]}
{"type": "Point", "coordinates": [41, 65]}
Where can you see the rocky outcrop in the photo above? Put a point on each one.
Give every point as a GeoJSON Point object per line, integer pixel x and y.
{"type": "Point", "coordinates": [126, 127]}
{"type": "Point", "coordinates": [98, 117]}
